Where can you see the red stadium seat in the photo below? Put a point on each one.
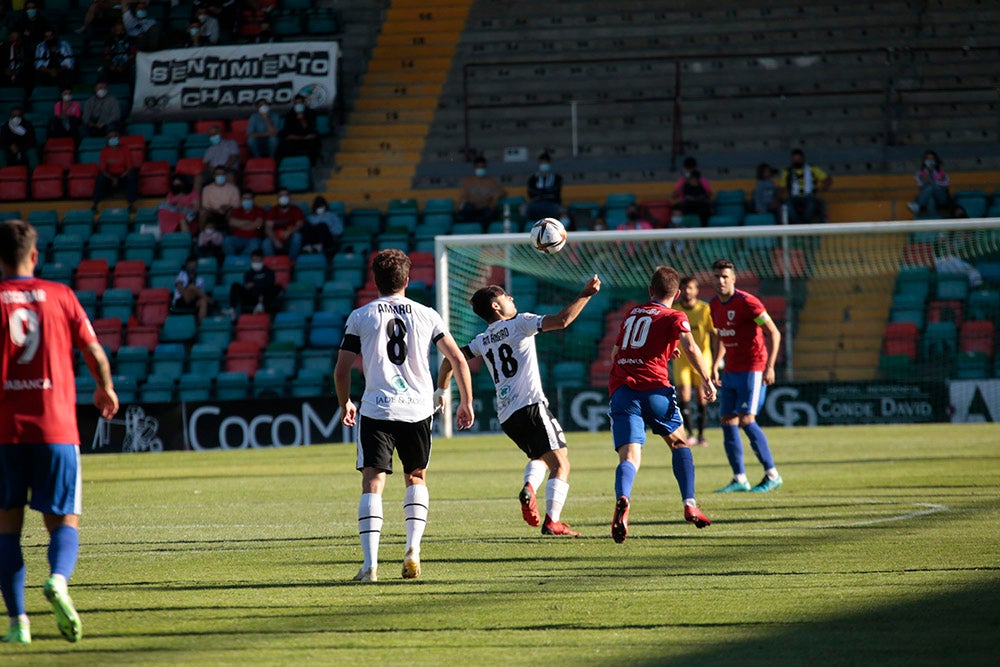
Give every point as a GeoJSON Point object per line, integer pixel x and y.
{"type": "Point", "coordinates": [242, 356]}
{"type": "Point", "coordinates": [282, 267]}
{"type": "Point", "coordinates": [60, 151]}
{"type": "Point", "coordinates": [47, 182]}
{"type": "Point", "coordinates": [254, 328]}
{"type": "Point", "coordinates": [421, 258]}
{"type": "Point", "coordinates": [139, 335]}
{"type": "Point", "coordinates": [92, 274]}
{"type": "Point", "coordinates": [130, 274]}
{"type": "Point", "coordinates": [978, 336]}
{"type": "Point", "coordinates": [109, 332]}
{"type": "Point", "coordinates": [136, 145]}
{"type": "Point", "coordinates": [189, 166]}
{"type": "Point", "coordinates": [424, 274]}
{"type": "Point", "coordinates": [259, 175]}
{"type": "Point", "coordinates": [14, 183]}
{"type": "Point", "coordinates": [657, 212]}
{"type": "Point", "coordinates": [154, 179]}
{"type": "Point", "coordinates": [901, 338]}
{"type": "Point", "coordinates": [945, 311]}
{"type": "Point", "coordinates": [918, 254]}
{"type": "Point", "coordinates": [238, 130]}
{"type": "Point", "coordinates": [203, 126]}
{"type": "Point", "coordinates": [80, 181]}
{"type": "Point", "coordinates": [153, 306]}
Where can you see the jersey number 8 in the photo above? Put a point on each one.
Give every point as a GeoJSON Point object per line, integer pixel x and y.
{"type": "Point", "coordinates": [395, 347]}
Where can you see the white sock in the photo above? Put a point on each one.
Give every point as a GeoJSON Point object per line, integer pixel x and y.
{"type": "Point", "coordinates": [370, 527]}
{"type": "Point", "coordinates": [20, 620]}
{"type": "Point", "coordinates": [555, 497]}
{"type": "Point", "coordinates": [415, 504]}
{"type": "Point", "coordinates": [772, 473]}
{"type": "Point", "coordinates": [741, 478]}
{"type": "Point", "coordinates": [690, 502]}
{"type": "Point", "coordinates": [534, 474]}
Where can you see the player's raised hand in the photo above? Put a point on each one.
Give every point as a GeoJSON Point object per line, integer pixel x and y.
{"type": "Point", "coordinates": [465, 416]}
{"type": "Point", "coordinates": [349, 413]}
{"type": "Point", "coordinates": [592, 287]}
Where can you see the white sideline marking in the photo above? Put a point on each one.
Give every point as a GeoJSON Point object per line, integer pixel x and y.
{"type": "Point", "coordinates": [932, 508]}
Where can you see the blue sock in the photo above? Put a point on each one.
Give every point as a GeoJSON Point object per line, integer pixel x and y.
{"type": "Point", "coordinates": [759, 443]}
{"type": "Point", "coordinates": [624, 478]}
{"type": "Point", "coordinates": [12, 573]}
{"type": "Point", "coordinates": [684, 471]}
{"type": "Point", "coordinates": [64, 544]}
{"type": "Point", "coordinates": [734, 447]}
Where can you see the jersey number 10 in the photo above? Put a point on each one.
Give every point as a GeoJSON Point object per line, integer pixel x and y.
{"type": "Point", "coordinates": [636, 331]}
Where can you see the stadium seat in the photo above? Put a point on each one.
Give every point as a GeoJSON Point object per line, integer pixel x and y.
{"type": "Point", "coordinates": [157, 389]}
{"type": "Point", "coordinates": [141, 335]}
{"type": "Point", "coordinates": [154, 178]}
{"type": "Point", "coordinates": [117, 303]}
{"type": "Point", "coordinates": [163, 148]}
{"type": "Point", "coordinates": [255, 328]}
{"type": "Point", "coordinates": [92, 274]}
{"type": "Point", "coordinates": [168, 360]}
{"type": "Point", "coordinates": [163, 274]}
{"type": "Point", "coordinates": [282, 267]}
{"type": "Point", "coordinates": [977, 336]}
{"type": "Point", "coordinates": [132, 361]}
{"type": "Point", "coordinates": [300, 298]}
{"type": "Point", "coordinates": [232, 386]}
{"type": "Point", "coordinates": [243, 356]}
{"type": "Point", "coordinates": [972, 366]}
{"type": "Point", "coordinates": [310, 269]}
{"type": "Point", "coordinates": [195, 387]}
{"type": "Point", "coordinates": [259, 175]}
{"type": "Point", "coordinates": [13, 183]}
{"type": "Point", "coordinates": [216, 331]}
{"type": "Point", "coordinates": [901, 339]}
{"type": "Point", "coordinates": [945, 311]}
{"type": "Point", "coordinates": [189, 166]}
{"type": "Point", "coordinates": [109, 333]}
{"type": "Point", "coordinates": [114, 221]}
{"type": "Point", "coordinates": [326, 329]}
{"type": "Point", "coordinates": [153, 306]}
{"type": "Point", "coordinates": [895, 366]}
{"type": "Point", "coordinates": [104, 246]}
{"type": "Point", "coordinates": [269, 383]}
{"type": "Point", "coordinates": [139, 247]}
{"type": "Point", "coordinates": [59, 151]}
{"type": "Point", "coordinates": [939, 341]}
{"type": "Point", "coordinates": [984, 304]}
{"type": "Point", "coordinates": [205, 359]}
{"type": "Point", "coordinates": [950, 286]}
{"type": "Point", "coordinates": [136, 145]}
{"type": "Point", "coordinates": [176, 246]}
{"type": "Point", "coordinates": [57, 272]}
{"type": "Point", "coordinates": [47, 182]}
{"type": "Point", "coordinates": [89, 150]}
{"type": "Point", "coordinates": [295, 174]}
{"type": "Point", "coordinates": [290, 327]}
{"type": "Point", "coordinates": [127, 389]}
{"type": "Point", "coordinates": [309, 382]}
{"type": "Point", "coordinates": [80, 180]}
{"type": "Point", "coordinates": [85, 386]}
{"type": "Point", "coordinates": [145, 130]}
{"type": "Point", "coordinates": [281, 357]}
{"type": "Point", "coordinates": [179, 328]}
{"type": "Point", "coordinates": [88, 300]}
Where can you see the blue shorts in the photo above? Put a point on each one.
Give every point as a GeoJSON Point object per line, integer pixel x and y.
{"type": "Point", "coordinates": [52, 472]}
{"type": "Point", "coordinates": [742, 393]}
{"type": "Point", "coordinates": [632, 411]}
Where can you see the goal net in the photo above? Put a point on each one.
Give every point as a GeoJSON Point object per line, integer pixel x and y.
{"type": "Point", "coordinates": [831, 288]}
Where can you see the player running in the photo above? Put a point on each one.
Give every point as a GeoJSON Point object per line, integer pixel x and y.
{"type": "Point", "coordinates": [40, 324]}
{"type": "Point", "coordinates": [740, 320]}
{"type": "Point", "coordinates": [393, 335]}
{"type": "Point", "coordinates": [641, 394]}
{"type": "Point", "coordinates": [684, 374]}
{"type": "Point", "coordinates": [508, 345]}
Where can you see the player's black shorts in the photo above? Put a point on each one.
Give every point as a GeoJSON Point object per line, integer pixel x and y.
{"type": "Point", "coordinates": [377, 438]}
{"type": "Point", "coordinates": [534, 430]}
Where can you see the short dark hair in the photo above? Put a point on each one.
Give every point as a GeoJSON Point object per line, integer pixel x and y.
{"type": "Point", "coordinates": [664, 282]}
{"type": "Point", "coordinates": [690, 163]}
{"type": "Point", "coordinates": [685, 280]}
{"type": "Point", "coordinates": [483, 299]}
{"type": "Point", "coordinates": [545, 156]}
{"type": "Point", "coordinates": [391, 270]}
{"type": "Point", "coordinates": [720, 264]}
{"type": "Point", "coordinates": [480, 159]}
{"type": "Point", "coordinates": [17, 238]}
{"type": "Point", "coordinates": [798, 151]}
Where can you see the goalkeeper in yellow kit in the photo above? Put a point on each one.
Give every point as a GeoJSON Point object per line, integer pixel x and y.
{"type": "Point", "coordinates": [685, 376]}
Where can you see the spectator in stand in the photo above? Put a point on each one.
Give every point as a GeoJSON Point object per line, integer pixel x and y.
{"type": "Point", "coordinates": [283, 228]}
{"type": "Point", "coordinates": [31, 25]}
{"type": "Point", "coordinates": [932, 186]}
{"type": "Point", "coordinates": [798, 188]}
{"type": "Point", "coordinates": [322, 229]}
{"type": "Point", "coordinates": [20, 145]}
{"type": "Point", "coordinates": [634, 219]}
{"type": "Point", "coordinates": [479, 195]}
{"type": "Point", "coordinates": [224, 12]}
{"type": "Point", "coordinates": [544, 191]}
{"type": "Point", "coordinates": [140, 26]}
{"type": "Point", "coordinates": [100, 16]}
{"type": "Point", "coordinates": [194, 35]}
{"type": "Point", "coordinates": [189, 289]}
{"type": "Point", "coordinates": [690, 164]}
{"type": "Point", "coordinates": [66, 114]}
{"type": "Point", "coordinates": [246, 224]}
{"type": "Point", "coordinates": [208, 26]}
{"type": "Point", "coordinates": [54, 62]}
{"type": "Point", "coordinates": [180, 209]}
{"type": "Point", "coordinates": [101, 113]}
{"type": "Point", "coordinates": [221, 152]}
{"type": "Point", "coordinates": [765, 191]}
{"type": "Point", "coordinates": [115, 168]}
{"type": "Point", "coordinates": [258, 293]}
{"type": "Point", "coordinates": [254, 23]}
{"type": "Point", "coordinates": [119, 56]}
{"type": "Point", "coordinates": [16, 62]}
{"type": "Point", "coordinates": [693, 197]}
{"type": "Point", "coordinates": [210, 242]}
{"type": "Point", "coordinates": [218, 198]}
{"type": "Point", "coordinates": [298, 134]}
{"type": "Point", "coordinates": [263, 130]}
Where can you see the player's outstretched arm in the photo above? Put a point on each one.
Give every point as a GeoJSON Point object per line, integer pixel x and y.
{"type": "Point", "coordinates": [342, 382]}
{"type": "Point", "coordinates": [463, 378]}
{"type": "Point", "coordinates": [444, 378]}
{"type": "Point", "coordinates": [697, 360]}
{"type": "Point", "coordinates": [105, 397]}
{"type": "Point", "coordinates": [565, 317]}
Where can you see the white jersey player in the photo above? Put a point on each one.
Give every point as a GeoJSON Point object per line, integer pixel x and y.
{"type": "Point", "coordinates": [508, 346]}
{"type": "Point", "coordinates": [393, 335]}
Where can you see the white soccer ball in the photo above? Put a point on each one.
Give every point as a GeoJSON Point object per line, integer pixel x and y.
{"type": "Point", "coordinates": [548, 236]}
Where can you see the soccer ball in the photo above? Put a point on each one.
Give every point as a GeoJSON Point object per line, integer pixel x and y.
{"type": "Point", "coordinates": [548, 236]}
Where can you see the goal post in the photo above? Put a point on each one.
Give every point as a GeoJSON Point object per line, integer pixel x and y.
{"type": "Point", "coordinates": [828, 286]}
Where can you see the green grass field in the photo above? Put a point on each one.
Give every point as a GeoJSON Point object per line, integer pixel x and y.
{"type": "Point", "coordinates": [882, 548]}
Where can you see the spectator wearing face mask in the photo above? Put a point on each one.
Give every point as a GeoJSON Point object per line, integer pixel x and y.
{"type": "Point", "coordinates": [932, 186]}
{"type": "Point", "coordinates": [218, 198]}
{"type": "Point", "coordinates": [221, 152]}
{"type": "Point", "coordinates": [101, 113]}
{"type": "Point", "coordinates": [283, 228]}
{"type": "Point", "coordinates": [140, 26]}
{"type": "Point", "coordinates": [66, 114]}
{"type": "Point", "coordinates": [17, 67]}
{"type": "Point", "coordinates": [54, 62]}
{"type": "Point", "coordinates": [246, 224]}
{"type": "Point", "coordinates": [258, 293]}
{"type": "Point", "coordinates": [180, 208]}
{"type": "Point", "coordinates": [544, 191]}
{"type": "Point", "coordinates": [17, 136]}
{"type": "Point", "coordinates": [209, 26]}
{"type": "Point", "coordinates": [634, 220]}
{"type": "Point", "coordinates": [119, 55]}
{"type": "Point", "coordinates": [322, 229]}
{"type": "Point", "coordinates": [479, 195]}
{"type": "Point", "coordinates": [31, 25]}
{"type": "Point", "coordinates": [116, 168]}
{"type": "Point", "coordinates": [298, 135]}
{"type": "Point", "coordinates": [263, 130]}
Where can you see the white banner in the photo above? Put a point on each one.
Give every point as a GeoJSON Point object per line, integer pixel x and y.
{"type": "Point", "coordinates": [227, 81]}
{"type": "Point", "coordinates": [975, 400]}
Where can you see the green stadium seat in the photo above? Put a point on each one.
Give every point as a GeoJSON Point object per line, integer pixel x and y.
{"type": "Point", "coordinates": [280, 357]}
{"type": "Point", "coordinates": [179, 328]}
{"type": "Point", "coordinates": [300, 299]}
{"type": "Point", "coordinates": [176, 246]}
{"type": "Point", "coordinates": [232, 386]}
{"type": "Point", "coordinates": [289, 327]}
{"type": "Point", "coordinates": [157, 389]}
{"type": "Point", "coordinates": [127, 388]}
{"type": "Point", "coordinates": [88, 299]}
{"type": "Point", "coordinates": [140, 246]}
{"type": "Point", "coordinates": [309, 382]}
{"type": "Point", "coordinates": [132, 361]}
{"type": "Point", "coordinates": [269, 383]}
{"type": "Point", "coordinates": [950, 286]}
{"type": "Point", "coordinates": [195, 387]}
{"type": "Point", "coordinates": [85, 386]}
{"type": "Point", "coordinates": [972, 366]}
{"type": "Point", "coordinates": [168, 360]}
{"type": "Point", "coordinates": [117, 302]}
{"type": "Point", "coordinates": [104, 246]}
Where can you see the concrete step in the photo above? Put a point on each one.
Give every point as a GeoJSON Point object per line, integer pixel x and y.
{"type": "Point", "coordinates": [367, 143]}
{"type": "Point", "coordinates": [347, 158]}
{"type": "Point", "coordinates": [388, 116]}
{"type": "Point", "coordinates": [389, 103]}
{"type": "Point", "coordinates": [387, 130]}
{"type": "Point", "coordinates": [375, 170]}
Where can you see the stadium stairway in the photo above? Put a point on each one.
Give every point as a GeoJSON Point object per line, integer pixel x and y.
{"type": "Point", "coordinates": [392, 114]}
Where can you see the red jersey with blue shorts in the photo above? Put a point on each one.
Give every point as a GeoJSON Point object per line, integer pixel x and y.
{"type": "Point", "coordinates": [40, 323]}
{"type": "Point", "coordinates": [646, 342]}
{"type": "Point", "coordinates": [737, 322]}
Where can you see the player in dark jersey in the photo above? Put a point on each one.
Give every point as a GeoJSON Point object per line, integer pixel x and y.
{"type": "Point", "coordinates": [40, 324]}
{"type": "Point", "coordinates": [641, 394]}
{"type": "Point", "coordinates": [740, 321]}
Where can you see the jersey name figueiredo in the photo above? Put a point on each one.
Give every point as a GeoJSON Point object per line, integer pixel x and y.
{"type": "Point", "coordinates": [512, 361]}
{"type": "Point", "coordinates": [40, 323]}
{"type": "Point", "coordinates": [738, 323]}
{"type": "Point", "coordinates": [646, 342]}
{"type": "Point", "coordinates": [395, 335]}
